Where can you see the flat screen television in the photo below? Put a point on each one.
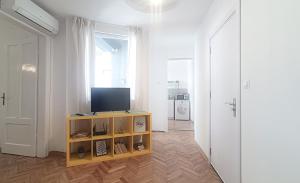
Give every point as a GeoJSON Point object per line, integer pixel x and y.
{"type": "Point", "coordinates": [110, 99]}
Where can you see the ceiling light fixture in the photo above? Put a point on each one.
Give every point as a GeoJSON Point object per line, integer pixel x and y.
{"type": "Point", "coordinates": [156, 10]}
{"type": "Point", "coordinates": [155, 3]}
{"type": "Point", "coordinates": [147, 6]}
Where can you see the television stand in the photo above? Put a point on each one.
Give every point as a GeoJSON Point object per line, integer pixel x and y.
{"type": "Point", "coordinates": [122, 137]}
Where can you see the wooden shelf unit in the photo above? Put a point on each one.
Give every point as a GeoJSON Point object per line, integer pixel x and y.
{"type": "Point", "coordinates": [113, 119]}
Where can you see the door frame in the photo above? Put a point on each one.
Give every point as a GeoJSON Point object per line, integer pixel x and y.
{"type": "Point", "coordinates": [192, 93]}
{"type": "Point", "coordinates": [44, 85]}
{"type": "Point", "coordinates": [234, 11]}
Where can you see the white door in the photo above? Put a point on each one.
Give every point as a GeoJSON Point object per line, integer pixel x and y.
{"type": "Point", "coordinates": [18, 93]}
{"type": "Point", "coordinates": [225, 101]}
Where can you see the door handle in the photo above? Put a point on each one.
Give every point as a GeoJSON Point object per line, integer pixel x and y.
{"type": "Point", "coordinates": [3, 99]}
{"type": "Point", "coordinates": [233, 106]}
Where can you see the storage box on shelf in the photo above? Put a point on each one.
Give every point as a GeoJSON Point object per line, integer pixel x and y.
{"type": "Point", "coordinates": [107, 136]}
{"type": "Point", "coordinates": [103, 154]}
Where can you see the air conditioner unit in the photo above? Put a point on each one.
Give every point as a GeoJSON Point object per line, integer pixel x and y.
{"type": "Point", "coordinates": [31, 12]}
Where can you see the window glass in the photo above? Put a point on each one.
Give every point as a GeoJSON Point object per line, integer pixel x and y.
{"type": "Point", "coordinates": [111, 62]}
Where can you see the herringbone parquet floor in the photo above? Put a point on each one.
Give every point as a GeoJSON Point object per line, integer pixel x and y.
{"type": "Point", "coordinates": [175, 159]}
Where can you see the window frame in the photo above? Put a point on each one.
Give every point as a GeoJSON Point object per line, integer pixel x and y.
{"type": "Point", "coordinates": [112, 32]}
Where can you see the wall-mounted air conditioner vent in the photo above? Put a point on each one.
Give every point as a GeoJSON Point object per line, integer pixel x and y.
{"type": "Point", "coordinates": [31, 12]}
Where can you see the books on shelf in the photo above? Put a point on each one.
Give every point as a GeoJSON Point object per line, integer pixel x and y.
{"type": "Point", "coordinates": [120, 148]}
{"type": "Point", "coordinates": [117, 149]}
{"type": "Point", "coordinates": [123, 148]}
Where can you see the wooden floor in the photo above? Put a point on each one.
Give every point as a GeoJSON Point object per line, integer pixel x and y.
{"type": "Point", "coordinates": [176, 158]}
{"type": "Point", "coordinates": [181, 125]}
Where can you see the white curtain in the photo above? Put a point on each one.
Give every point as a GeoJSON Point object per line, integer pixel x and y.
{"type": "Point", "coordinates": [138, 69]}
{"type": "Point", "coordinates": [80, 38]}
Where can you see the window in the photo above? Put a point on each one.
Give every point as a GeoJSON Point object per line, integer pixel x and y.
{"type": "Point", "coordinates": [111, 67]}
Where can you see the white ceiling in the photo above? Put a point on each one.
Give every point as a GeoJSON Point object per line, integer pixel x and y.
{"type": "Point", "coordinates": [186, 13]}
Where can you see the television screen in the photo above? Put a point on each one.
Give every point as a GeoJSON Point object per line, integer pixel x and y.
{"type": "Point", "coordinates": [110, 99]}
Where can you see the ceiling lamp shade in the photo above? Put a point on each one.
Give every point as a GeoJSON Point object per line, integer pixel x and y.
{"type": "Point", "coordinates": [147, 6]}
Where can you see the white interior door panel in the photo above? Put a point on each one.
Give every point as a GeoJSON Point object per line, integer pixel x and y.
{"type": "Point", "coordinates": [18, 113]}
{"type": "Point", "coordinates": [225, 101]}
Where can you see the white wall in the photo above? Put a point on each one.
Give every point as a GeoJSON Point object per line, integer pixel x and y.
{"type": "Point", "coordinates": [270, 107]}
{"type": "Point", "coordinates": [218, 11]}
{"type": "Point", "coordinates": [164, 43]}
{"type": "Point", "coordinates": [181, 70]}
{"type": "Point", "coordinates": [58, 97]}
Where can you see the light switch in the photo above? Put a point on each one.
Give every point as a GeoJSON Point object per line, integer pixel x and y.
{"type": "Point", "coordinates": [246, 85]}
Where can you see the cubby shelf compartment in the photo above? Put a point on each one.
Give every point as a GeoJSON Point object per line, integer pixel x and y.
{"type": "Point", "coordinates": [102, 124]}
{"type": "Point", "coordinates": [109, 149]}
{"type": "Point", "coordinates": [122, 126]}
{"type": "Point", "coordinates": [119, 125]}
{"type": "Point", "coordinates": [127, 141]}
{"type": "Point", "coordinates": [79, 125]}
{"type": "Point", "coordinates": [75, 161]}
{"type": "Point", "coordinates": [73, 156]}
{"type": "Point", "coordinates": [145, 139]}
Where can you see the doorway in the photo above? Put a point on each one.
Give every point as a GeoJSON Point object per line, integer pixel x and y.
{"type": "Point", "coordinates": [180, 94]}
{"type": "Point", "coordinates": [225, 100]}
{"type": "Point", "coordinates": [18, 89]}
